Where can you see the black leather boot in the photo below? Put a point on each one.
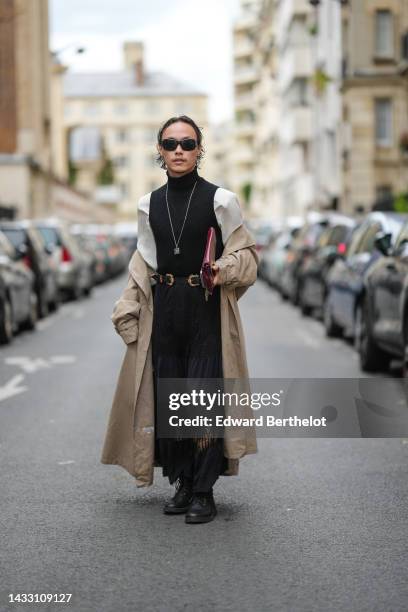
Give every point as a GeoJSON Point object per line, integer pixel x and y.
{"type": "Point", "coordinates": [202, 509]}
{"type": "Point", "coordinates": [180, 502]}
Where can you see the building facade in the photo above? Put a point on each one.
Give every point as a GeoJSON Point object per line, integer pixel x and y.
{"type": "Point", "coordinates": [25, 121]}
{"type": "Point", "coordinates": [127, 108]}
{"type": "Point", "coordinates": [243, 159]}
{"type": "Point", "coordinates": [375, 103]}
{"type": "Point", "coordinates": [294, 49]}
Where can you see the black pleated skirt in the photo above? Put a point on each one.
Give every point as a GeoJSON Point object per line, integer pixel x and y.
{"type": "Point", "coordinates": [186, 341]}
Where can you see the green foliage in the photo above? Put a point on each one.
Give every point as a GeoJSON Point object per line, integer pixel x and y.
{"type": "Point", "coordinates": [320, 80]}
{"type": "Point", "coordinates": [401, 203]}
{"type": "Point", "coordinates": [106, 174]}
{"type": "Point", "coordinates": [246, 191]}
{"type": "Point", "coordinates": [72, 173]}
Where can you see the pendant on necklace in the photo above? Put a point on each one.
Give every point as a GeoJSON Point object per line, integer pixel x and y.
{"type": "Point", "coordinates": [177, 250]}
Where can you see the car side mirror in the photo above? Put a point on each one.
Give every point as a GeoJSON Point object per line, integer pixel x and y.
{"type": "Point", "coordinates": [383, 242]}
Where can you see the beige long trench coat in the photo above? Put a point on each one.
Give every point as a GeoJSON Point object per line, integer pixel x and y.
{"type": "Point", "coordinates": [130, 436]}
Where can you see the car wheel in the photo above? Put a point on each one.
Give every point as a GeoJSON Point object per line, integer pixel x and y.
{"type": "Point", "coordinates": [55, 303]}
{"type": "Point", "coordinates": [75, 293]}
{"type": "Point", "coordinates": [305, 309]}
{"type": "Point", "coordinates": [43, 309]}
{"type": "Point", "coordinates": [6, 323]}
{"type": "Point", "coordinates": [32, 318]}
{"type": "Point", "coordinates": [372, 358]}
{"type": "Point", "coordinates": [88, 291]}
{"type": "Point", "coordinates": [331, 328]}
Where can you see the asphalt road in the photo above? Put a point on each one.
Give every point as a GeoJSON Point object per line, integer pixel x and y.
{"type": "Point", "coordinates": [308, 525]}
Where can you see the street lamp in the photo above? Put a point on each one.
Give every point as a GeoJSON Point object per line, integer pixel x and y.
{"type": "Point", "coordinates": [78, 50]}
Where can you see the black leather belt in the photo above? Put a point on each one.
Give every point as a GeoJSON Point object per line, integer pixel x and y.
{"type": "Point", "coordinates": [192, 279]}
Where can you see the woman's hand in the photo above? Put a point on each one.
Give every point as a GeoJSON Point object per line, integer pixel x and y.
{"type": "Point", "coordinates": [215, 270]}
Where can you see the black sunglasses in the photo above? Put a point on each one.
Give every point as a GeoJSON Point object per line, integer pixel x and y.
{"type": "Point", "coordinates": [171, 144]}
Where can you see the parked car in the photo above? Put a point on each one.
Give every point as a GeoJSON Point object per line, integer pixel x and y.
{"type": "Point", "coordinates": [30, 245]}
{"type": "Point", "coordinates": [343, 306]}
{"type": "Point", "coordinates": [127, 233]}
{"type": "Point", "coordinates": [18, 298]}
{"type": "Point", "coordinates": [316, 265]}
{"type": "Point", "coordinates": [74, 273]}
{"type": "Point", "coordinates": [382, 333]}
{"type": "Point", "coordinates": [299, 249]}
{"type": "Point", "coordinates": [274, 255]}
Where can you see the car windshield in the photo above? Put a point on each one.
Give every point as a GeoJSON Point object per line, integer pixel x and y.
{"type": "Point", "coordinates": [50, 236]}
{"type": "Point", "coordinates": [16, 236]}
{"type": "Point", "coordinates": [6, 248]}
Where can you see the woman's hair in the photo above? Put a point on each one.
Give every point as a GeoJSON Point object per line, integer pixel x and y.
{"type": "Point", "coordinates": [193, 124]}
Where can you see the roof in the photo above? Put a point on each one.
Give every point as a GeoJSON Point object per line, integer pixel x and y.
{"type": "Point", "coordinates": [121, 83]}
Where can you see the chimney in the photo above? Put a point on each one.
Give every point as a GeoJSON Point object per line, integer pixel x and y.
{"type": "Point", "coordinates": [133, 56]}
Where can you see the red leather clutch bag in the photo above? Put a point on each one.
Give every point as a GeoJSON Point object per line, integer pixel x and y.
{"type": "Point", "coordinates": [206, 273]}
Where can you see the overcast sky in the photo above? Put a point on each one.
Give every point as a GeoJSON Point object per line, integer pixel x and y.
{"type": "Point", "coordinates": [191, 40]}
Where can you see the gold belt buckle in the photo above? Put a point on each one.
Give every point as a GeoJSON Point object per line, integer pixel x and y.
{"type": "Point", "coordinates": [171, 276]}
{"type": "Point", "coordinates": [190, 279]}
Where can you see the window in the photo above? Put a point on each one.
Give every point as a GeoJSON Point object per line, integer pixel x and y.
{"type": "Point", "coordinates": [383, 122]}
{"type": "Point", "coordinates": [121, 109]}
{"type": "Point", "coordinates": [150, 161]}
{"type": "Point", "coordinates": [92, 109]}
{"type": "Point", "coordinates": [122, 136]}
{"type": "Point", "coordinates": [367, 242]}
{"type": "Point", "coordinates": [152, 107]}
{"type": "Point", "coordinates": [150, 135]}
{"type": "Point", "coordinates": [384, 195]}
{"type": "Point", "coordinates": [121, 161]}
{"type": "Point", "coordinates": [384, 34]}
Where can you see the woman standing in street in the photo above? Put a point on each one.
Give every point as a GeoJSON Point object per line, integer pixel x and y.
{"type": "Point", "coordinates": [188, 333]}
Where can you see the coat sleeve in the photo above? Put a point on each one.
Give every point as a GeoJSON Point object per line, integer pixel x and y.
{"type": "Point", "coordinates": [125, 316]}
{"type": "Point", "coordinates": [238, 269]}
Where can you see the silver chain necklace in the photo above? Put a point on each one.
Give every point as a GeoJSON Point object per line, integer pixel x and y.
{"type": "Point", "coordinates": [176, 242]}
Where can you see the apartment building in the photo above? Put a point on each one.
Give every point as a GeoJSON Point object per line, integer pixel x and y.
{"type": "Point", "coordinates": [245, 79]}
{"type": "Point", "coordinates": [122, 111]}
{"type": "Point", "coordinates": [326, 38]}
{"type": "Point", "coordinates": [266, 200]}
{"type": "Point", "coordinates": [295, 67]}
{"type": "Point", "coordinates": [25, 148]}
{"type": "Point", "coordinates": [375, 102]}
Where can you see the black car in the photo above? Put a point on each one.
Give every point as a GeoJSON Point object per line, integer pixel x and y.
{"type": "Point", "coordinates": [29, 243]}
{"type": "Point", "coordinates": [298, 251]}
{"type": "Point", "coordinates": [315, 266]}
{"type": "Point", "coordinates": [18, 299]}
{"type": "Point", "coordinates": [383, 330]}
{"type": "Point", "coordinates": [343, 306]}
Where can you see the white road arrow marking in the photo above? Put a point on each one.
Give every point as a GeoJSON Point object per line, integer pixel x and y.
{"type": "Point", "coordinates": [12, 387]}
{"type": "Point", "coordinates": [27, 364]}
{"type": "Point", "coordinates": [63, 359]}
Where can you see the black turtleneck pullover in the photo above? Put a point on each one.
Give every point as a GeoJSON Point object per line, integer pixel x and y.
{"type": "Point", "coordinates": [200, 217]}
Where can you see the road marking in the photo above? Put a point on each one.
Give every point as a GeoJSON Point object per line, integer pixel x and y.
{"type": "Point", "coordinates": [12, 387]}
{"type": "Point", "coordinates": [66, 462]}
{"type": "Point", "coordinates": [63, 359]}
{"type": "Point", "coordinates": [30, 365]}
{"type": "Point", "coordinates": [27, 364]}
